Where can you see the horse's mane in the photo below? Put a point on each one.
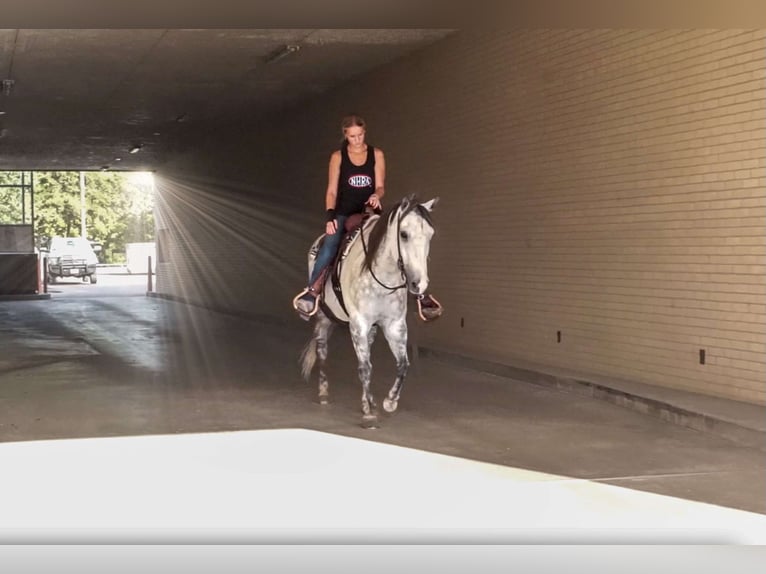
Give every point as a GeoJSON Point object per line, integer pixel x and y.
{"type": "Point", "coordinates": [389, 216]}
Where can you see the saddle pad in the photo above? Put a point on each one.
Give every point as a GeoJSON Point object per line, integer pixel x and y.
{"type": "Point", "coordinates": [330, 304]}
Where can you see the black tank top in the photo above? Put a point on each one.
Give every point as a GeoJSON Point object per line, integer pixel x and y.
{"type": "Point", "coordinates": [356, 182]}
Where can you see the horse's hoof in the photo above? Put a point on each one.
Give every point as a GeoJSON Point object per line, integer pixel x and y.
{"type": "Point", "coordinates": [369, 422]}
{"type": "Point", "coordinates": [390, 406]}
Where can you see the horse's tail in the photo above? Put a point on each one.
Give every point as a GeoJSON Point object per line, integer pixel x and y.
{"type": "Point", "coordinates": [308, 358]}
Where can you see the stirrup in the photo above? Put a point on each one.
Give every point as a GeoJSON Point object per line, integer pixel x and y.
{"type": "Point", "coordinates": [316, 302]}
{"type": "Point", "coordinates": [431, 313]}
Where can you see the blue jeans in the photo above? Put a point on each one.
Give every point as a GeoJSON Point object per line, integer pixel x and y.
{"type": "Point", "coordinates": [329, 249]}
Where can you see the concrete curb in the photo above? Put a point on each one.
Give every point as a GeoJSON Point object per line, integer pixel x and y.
{"type": "Point", "coordinates": [665, 410]}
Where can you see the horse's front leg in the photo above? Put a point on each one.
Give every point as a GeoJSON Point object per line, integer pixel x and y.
{"type": "Point", "coordinates": [396, 335]}
{"type": "Point", "coordinates": [360, 336]}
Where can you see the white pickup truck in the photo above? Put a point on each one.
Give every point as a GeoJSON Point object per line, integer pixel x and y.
{"type": "Point", "coordinates": [71, 257]}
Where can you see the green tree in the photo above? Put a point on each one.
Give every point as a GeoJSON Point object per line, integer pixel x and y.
{"type": "Point", "coordinates": [119, 208]}
{"type": "Point", "coordinates": [107, 211]}
{"type": "Point", "coordinates": [140, 197]}
{"type": "Point", "coordinates": [11, 210]}
{"type": "Point", "coordinates": [57, 204]}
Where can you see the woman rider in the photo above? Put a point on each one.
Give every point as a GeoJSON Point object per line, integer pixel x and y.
{"type": "Point", "coordinates": [356, 179]}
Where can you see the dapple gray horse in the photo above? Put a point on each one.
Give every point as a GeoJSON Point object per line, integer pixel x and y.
{"type": "Point", "coordinates": [388, 258]}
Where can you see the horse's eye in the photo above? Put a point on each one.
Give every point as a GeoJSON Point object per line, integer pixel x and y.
{"type": "Point", "coordinates": [404, 235]}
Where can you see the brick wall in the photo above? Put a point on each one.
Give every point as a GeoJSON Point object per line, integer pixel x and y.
{"type": "Point", "coordinates": [607, 185]}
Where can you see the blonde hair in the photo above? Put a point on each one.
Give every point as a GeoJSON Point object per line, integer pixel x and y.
{"type": "Point", "coordinates": [350, 121]}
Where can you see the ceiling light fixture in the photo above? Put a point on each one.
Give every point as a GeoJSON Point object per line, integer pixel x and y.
{"type": "Point", "coordinates": [282, 52]}
{"type": "Point", "coordinates": [135, 149]}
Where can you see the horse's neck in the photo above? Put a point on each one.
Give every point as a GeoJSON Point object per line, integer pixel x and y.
{"type": "Point", "coordinates": [386, 264]}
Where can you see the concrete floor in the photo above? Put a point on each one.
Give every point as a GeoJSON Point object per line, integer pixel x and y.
{"type": "Point", "coordinates": [93, 363]}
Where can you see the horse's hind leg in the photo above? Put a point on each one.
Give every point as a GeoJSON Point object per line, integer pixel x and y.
{"type": "Point", "coordinates": [396, 335]}
{"type": "Point", "coordinates": [322, 331]}
{"type": "Point", "coordinates": [361, 335]}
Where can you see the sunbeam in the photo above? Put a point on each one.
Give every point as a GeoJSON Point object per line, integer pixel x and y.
{"type": "Point", "coordinates": [223, 241]}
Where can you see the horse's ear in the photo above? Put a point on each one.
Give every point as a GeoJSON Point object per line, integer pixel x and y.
{"type": "Point", "coordinates": [430, 204]}
{"type": "Point", "coordinates": [406, 202]}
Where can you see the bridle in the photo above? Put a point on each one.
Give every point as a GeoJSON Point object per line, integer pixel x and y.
{"type": "Point", "coordinates": [399, 263]}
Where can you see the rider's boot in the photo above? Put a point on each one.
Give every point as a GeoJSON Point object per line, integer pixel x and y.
{"type": "Point", "coordinates": [307, 301]}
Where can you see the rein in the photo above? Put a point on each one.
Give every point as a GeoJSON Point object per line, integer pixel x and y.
{"type": "Point", "coordinates": [399, 263]}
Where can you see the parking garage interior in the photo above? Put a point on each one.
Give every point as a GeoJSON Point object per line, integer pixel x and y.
{"type": "Point", "coordinates": [599, 252]}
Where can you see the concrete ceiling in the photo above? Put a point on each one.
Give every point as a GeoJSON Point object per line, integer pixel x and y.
{"type": "Point", "coordinates": [79, 99]}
